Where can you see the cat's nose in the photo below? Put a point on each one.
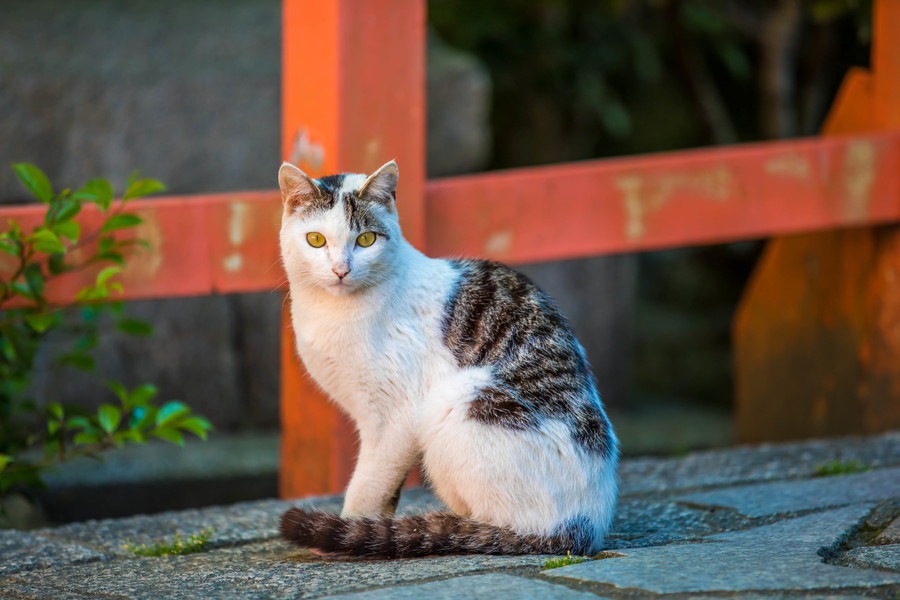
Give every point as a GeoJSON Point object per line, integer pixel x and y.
{"type": "Point", "coordinates": [340, 271]}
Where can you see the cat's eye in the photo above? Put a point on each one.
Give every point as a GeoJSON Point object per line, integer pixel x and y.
{"type": "Point", "coordinates": [366, 239]}
{"type": "Point", "coordinates": [315, 239]}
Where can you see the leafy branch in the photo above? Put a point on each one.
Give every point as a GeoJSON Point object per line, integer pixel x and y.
{"type": "Point", "coordinates": [33, 439]}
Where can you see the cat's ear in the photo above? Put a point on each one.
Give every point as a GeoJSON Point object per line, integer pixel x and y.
{"type": "Point", "coordinates": [382, 184]}
{"type": "Point", "coordinates": [296, 186]}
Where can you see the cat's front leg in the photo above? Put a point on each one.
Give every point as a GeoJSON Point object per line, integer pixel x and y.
{"type": "Point", "coordinates": [383, 464]}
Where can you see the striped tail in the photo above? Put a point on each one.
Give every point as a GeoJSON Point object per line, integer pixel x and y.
{"type": "Point", "coordinates": [431, 534]}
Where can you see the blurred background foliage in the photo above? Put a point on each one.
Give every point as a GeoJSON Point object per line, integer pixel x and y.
{"type": "Point", "coordinates": [577, 79]}
{"type": "Point", "coordinates": [582, 79]}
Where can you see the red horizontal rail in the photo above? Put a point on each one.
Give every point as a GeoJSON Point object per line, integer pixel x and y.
{"type": "Point", "coordinates": [229, 242]}
{"type": "Point", "coordinates": [201, 245]}
{"type": "Point", "coordinates": [667, 200]}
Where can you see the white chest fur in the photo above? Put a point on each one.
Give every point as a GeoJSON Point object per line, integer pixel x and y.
{"type": "Point", "coordinates": [378, 352]}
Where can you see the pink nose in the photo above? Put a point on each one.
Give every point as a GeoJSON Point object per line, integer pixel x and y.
{"type": "Point", "coordinates": [341, 272]}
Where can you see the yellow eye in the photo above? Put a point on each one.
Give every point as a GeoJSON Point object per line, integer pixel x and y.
{"type": "Point", "coordinates": [315, 239]}
{"type": "Point", "coordinates": [366, 239]}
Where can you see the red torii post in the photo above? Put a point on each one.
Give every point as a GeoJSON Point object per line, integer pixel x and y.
{"type": "Point", "coordinates": [817, 333]}
{"type": "Point", "coordinates": [353, 97]}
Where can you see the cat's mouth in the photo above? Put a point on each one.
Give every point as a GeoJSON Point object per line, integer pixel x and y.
{"type": "Point", "coordinates": [340, 286]}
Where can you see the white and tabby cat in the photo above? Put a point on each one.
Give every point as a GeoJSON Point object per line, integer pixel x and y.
{"type": "Point", "coordinates": [463, 364]}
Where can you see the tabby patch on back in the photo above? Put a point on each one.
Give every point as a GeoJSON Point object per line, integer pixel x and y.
{"type": "Point", "coordinates": [463, 364]}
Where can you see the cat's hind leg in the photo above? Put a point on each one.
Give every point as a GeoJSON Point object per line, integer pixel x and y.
{"type": "Point", "coordinates": [515, 470]}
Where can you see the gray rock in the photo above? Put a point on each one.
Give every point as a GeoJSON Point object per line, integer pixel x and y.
{"type": "Point", "coordinates": [873, 557]}
{"type": "Point", "coordinates": [459, 103]}
{"type": "Point", "coordinates": [763, 499]}
{"type": "Point", "coordinates": [474, 586]}
{"type": "Point", "coordinates": [235, 524]}
{"type": "Point", "coordinates": [764, 462]}
{"type": "Point", "coordinates": [639, 522]}
{"type": "Point", "coordinates": [890, 534]}
{"type": "Point", "coordinates": [220, 457]}
{"type": "Point", "coordinates": [20, 551]}
{"type": "Point", "coordinates": [782, 556]}
{"type": "Point", "coordinates": [266, 570]}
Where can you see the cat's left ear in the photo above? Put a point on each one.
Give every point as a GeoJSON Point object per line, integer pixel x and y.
{"type": "Point", "coordinates": [382, 184]}
{"type": "Point", "coordinates": [297, 188]}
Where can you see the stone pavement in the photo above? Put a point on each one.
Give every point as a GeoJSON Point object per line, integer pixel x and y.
{"type": "Point", "coordinates": [746, 523]}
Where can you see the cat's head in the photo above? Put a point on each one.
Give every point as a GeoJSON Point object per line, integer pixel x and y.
{"type": "Point", "coordinates": [341, 232]}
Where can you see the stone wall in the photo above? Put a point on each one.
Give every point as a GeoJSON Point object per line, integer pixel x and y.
{"type": "Point", "coordinates": [188, 91]}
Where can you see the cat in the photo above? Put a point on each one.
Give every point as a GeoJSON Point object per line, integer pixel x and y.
{"type": "Point", "coordinates": [464, 365]}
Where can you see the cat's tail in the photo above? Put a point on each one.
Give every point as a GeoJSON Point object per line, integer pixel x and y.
{"type": "Point", "coordinates": [413, 536]}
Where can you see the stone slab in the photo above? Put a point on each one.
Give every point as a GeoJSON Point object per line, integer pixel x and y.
{"type": "Point", "coordinates": [759, 500]}
{"type": "Point", "coordinates": [493, 585]}
{"type": "Point", "coordinates": [745, 464]}
{"type": "Point", "coordinates": [874, 557]}
{"type": "Point", "coordinates": [267, 570]}
{"type": "Point", "coordinates": [241, 523]}
{"type": "Point", "coordinates": [781, 556]}
{"type": "Point", "coordinates": [642, 522]}
{"type": "Point", "coordinates": [891, 533]}
{"type": "Point", "coordinates": [21, 551]}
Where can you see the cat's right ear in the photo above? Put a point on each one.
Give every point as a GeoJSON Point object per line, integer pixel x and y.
{"type": "Point", "coordinates": [296, 186]}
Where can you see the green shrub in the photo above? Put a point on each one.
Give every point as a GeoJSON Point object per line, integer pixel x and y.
{"type": "Point", "coordinates": [33, 438]}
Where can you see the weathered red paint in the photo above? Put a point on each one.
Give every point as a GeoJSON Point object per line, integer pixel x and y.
{"type": "Point", "coordinates": [667, 200]}
{"type": "Point", "coordinates": [817, 333]}
{"type": "Point", "coordinates": [201, 245]}
{"type": "Point", "coordinates": [353, 97]}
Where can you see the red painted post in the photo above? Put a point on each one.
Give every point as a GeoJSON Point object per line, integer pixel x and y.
{"type": "Point", "coordinates": [353, 97]}
{"type": "Point", "coordinates": [817, 333]}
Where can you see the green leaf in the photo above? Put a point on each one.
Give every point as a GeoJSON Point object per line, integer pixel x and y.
{"type": "Point", "coordinates": [5, 459]}
{"type": "Point", "coordinates": [109, 417]}
{"type": "Point", "coordinates": [106, 243]}
{"type": "Point", "coordinates": [121, 221]}
{"type": "Point", "coordinates": [143, 417]}
{"type": "Point", "coordinates": [40, 322]}
{"type": "Point", "coordinates": [130, 435]}
{"type": "Point", "coordinates": [196, 425]}
{"type": "Point", "coordinates": [22, 289]}
{"type": "Point", "coordinates": [87, 437]}
{"type": "Point", "coordinates": [57, 263]}
{"type": "Point", "coordinates": [69, 229]}
{"type": "Point", "coordinates": [104, 275]}
{"type": "Point", "coordinates": [35, 280]}
{"type": "Point", "coordinates": [64, 210]}
{"type": "Point", "coordinates": [170, 412]}
{"type": "Point", "coordinates": [115, 257]}
{"type": "Point", "coordinates": [35, 180]}
{"type": "Point", "coordinates": [142, 394]}
{"type": "Point", "coordinates": [56, 410]}
{"type": "Point", "coordinates": [78, 360]}
{"type": "Point", "coordinates": [47, 242]}
{"type": "Point", "coordinates": [119, 390]}
{"type": "Point", "coordinates": [78, 423]}
{"type": "Point", "coordinates": [53, 426]}
{"type": "Point", "coordinates": [9, 246]}
{"type": "Point", "coordinates": [135, 327]}
{"type": "Point", "coordinates": [170, 435]}
{"type": "Point", "coordinates": [98, 191]}
{"type": "Point", "coordinates": [143, 187]}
